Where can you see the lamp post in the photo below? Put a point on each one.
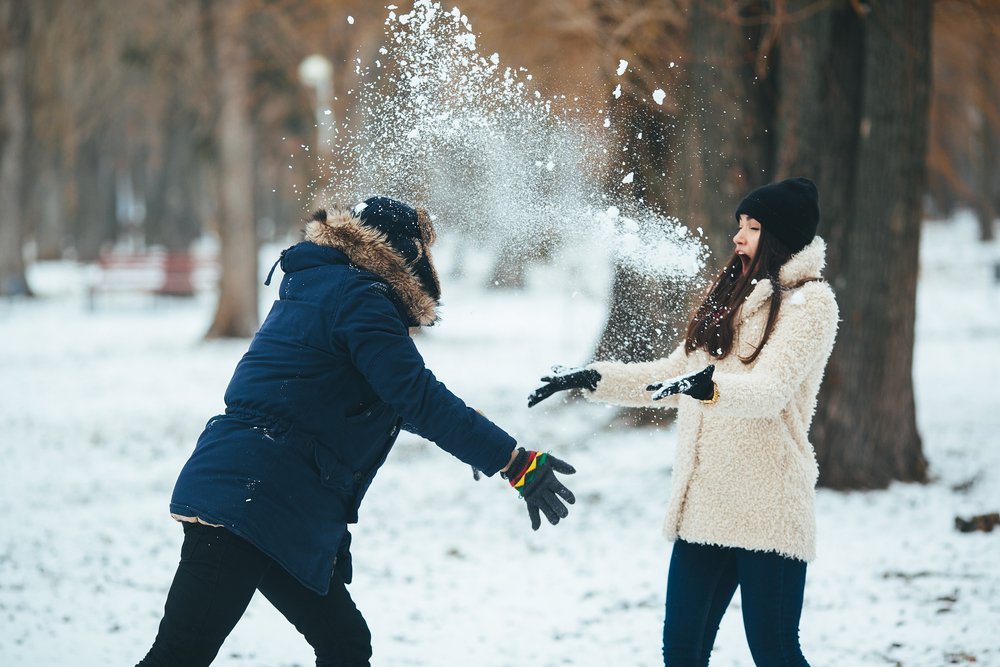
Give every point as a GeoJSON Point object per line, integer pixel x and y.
{"type": "Point", "coordinates": [316, 71]}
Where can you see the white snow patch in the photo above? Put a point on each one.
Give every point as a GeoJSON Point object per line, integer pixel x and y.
{"type": "Point", "coordinates": [86, 567]}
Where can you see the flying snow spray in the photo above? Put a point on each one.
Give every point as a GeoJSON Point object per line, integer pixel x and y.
{"type": "Point", "coordinates": [438, 123]}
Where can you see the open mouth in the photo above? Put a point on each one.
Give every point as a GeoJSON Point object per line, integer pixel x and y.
{"type": "Point", "coordinates": [745, 260]}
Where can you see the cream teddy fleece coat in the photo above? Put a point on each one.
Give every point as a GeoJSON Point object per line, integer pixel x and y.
{"type": "Point", "coordinates": [745, 473]}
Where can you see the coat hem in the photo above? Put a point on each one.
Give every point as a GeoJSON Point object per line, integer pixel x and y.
{"type": "Point", "coordinates": [733, 545]}
{"type": "Point", "coordinates": [179, 510]}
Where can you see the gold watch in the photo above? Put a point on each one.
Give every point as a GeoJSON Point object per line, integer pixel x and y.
{"type": "Point", "coordinates": [715, 395]}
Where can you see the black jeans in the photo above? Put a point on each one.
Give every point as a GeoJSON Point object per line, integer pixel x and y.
{"type": "Point", "coordinates": [700, 584]}
{"type": "Point", "coordinates": [218, 574]}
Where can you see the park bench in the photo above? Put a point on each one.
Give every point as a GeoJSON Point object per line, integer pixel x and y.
{"type": "Point", "coordinates": [154, 271]}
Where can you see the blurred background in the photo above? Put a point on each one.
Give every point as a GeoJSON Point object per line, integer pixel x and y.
{"type": "Point", "coordinates": [162, 142]}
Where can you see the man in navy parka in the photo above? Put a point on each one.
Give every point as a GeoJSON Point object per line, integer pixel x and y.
{"type": "Point", "coordinates": [312, 410]}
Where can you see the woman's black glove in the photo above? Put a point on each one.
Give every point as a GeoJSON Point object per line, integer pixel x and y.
{"type": "Point", "coordinates": [533, 474]}
{"type": "Point", "coordinates": [563, 378]}
{"type": "Point", "coordinates": [696, 385]}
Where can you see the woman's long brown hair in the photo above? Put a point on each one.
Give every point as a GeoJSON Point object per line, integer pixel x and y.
{"type": "Point", "coordinates": [711, 327]}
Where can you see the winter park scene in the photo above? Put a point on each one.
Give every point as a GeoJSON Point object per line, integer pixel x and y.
{"type": "Point", "coordinates": [671, 330]}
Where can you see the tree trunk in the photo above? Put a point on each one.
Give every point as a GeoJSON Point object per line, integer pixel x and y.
{"type": "Point", "coordinates": [172, 217]}
{"type": "Point", "coordinates": [695, 166]}
{"type": "Point", "coordinates": [94, 217]}
{"type": "Point", "coordinates": [14, 31]}
{"type": "Point", "coordinates": [46, 207]}
{"type": "Point", "coordinates": [985, 162]}
{"type": "Point", "coordinates": [236, 314]}
{"type": "Point", "coordinates": [644, 317]}
{"type": "Point", "coordinates": [865, 431]}
{"type": "Point", "coordinates": [727, 108]}
{"type": "Point", "coordinates": [821, 82]}
{"type": "Point", "coordinates": [645, 312]}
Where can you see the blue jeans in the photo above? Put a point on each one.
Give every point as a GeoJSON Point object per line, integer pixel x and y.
{"type": "Point", "coordinates": [700, 584]}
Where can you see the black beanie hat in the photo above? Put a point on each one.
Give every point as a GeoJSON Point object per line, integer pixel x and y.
{"type": "Point", "coordinates": [409, 232]}
{"type": "Point", "coordinates": [395, 219]}
{"type": "Point", "coordinates": [788, 209]}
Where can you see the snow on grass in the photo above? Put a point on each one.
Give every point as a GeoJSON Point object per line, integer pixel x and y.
{"type": "Point", "coordinates": [100, 409]}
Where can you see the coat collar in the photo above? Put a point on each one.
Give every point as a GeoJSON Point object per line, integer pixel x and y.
{"type": "Point", "coordinates": [807, 263]}
{"type": "Point", "coordinates": [369, 249]}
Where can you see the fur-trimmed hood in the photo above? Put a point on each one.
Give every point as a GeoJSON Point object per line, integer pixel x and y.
{"type": "Point", "coordinates": [370, 249]}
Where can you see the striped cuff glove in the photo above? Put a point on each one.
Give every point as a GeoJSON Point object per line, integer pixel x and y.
{"type": "Point", "coordinates": [533, 474]}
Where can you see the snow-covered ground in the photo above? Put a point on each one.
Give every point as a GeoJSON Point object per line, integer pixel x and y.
{"type": "Point", "coordinates": [98, 411]}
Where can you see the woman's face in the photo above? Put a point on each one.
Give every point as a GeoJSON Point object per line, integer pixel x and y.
{"type": "Point", "coordinates": [746, 239]}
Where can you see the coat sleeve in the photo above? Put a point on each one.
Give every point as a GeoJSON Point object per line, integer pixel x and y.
{"type": "Point", "coordinates": [369, 327]}
{"type": "Point", "coordinates": [625, 384]}
{"type": "Point", "coordinates": [801, 340]}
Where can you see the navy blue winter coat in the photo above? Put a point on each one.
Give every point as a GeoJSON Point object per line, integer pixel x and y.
{"type": "Point", "coordinates": [317, 401]}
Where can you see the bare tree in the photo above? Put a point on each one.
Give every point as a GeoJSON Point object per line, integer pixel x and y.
{"type": "Point", "coordinates": [728, 108]}
{"type": "Point", "coordinates": [986, 151]}
{"type": "Point", "coordinates": [853, 115]}
{"type": "Point", "coordinates": [839, 93]}
{"type": "Point", "coordinates": [964, 152]}
{"type": "Point", "coordinates": [694, 155]}
{"type": "Point", "coordinates": [866, 432]}
{"type": "Point", "coordinates": [645, 313]}
{"type": "Point", "coordinates": [14, 36]}
{"type": "Point", "coordinates": [236, 314]}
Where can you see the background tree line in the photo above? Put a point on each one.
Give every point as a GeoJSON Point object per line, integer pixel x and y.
{"type": "Point", "coordinates": [159, 121]}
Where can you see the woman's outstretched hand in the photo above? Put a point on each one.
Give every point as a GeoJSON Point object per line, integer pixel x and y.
{"type": "Point", "coordinates": [563, 378]}
{"type": "Point", "coordinates": [696, 385]}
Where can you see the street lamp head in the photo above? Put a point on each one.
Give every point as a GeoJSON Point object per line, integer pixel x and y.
{"type": "Point", "coordinates": [315, 70]}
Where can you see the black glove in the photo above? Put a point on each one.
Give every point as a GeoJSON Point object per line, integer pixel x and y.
{"type": "Point", "coordinates": [565, 378]}
{"type": "Point", "coordinates": [533, 474]}
{"type": "Point", "coordinates": [696, 385]}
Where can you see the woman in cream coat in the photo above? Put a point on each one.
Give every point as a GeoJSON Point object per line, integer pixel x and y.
{"type": "Point", "coordinates": [745, 383]}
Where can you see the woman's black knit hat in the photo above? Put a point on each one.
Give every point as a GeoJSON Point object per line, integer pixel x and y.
{"type": "Point", "coordinates": [788, 209]}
